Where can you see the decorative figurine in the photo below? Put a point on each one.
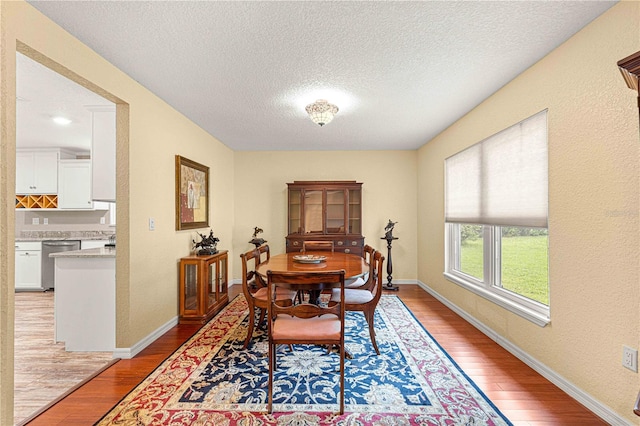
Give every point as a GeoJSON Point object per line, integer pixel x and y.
{"type": "Point", "coordinates": [255, 240]}
{"type": "Point", "coordinates": [207, 244]}
{"type": "Point", "coordinates": [389, 229]}
{"type": "Point", "coordinates": [388, 235]}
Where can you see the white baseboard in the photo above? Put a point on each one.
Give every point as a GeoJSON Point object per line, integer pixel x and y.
{"type": "Point", "coordinates": [128, 353]}
{"type": "Point", "coordinates": [569, 388]}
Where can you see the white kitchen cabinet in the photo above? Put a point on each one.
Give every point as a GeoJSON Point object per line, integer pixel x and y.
{"type": "Point", "coordinates": [74, 185]}
{"type": "Point", "coordinates": [101, 205]}
{"type": "Point", "coordinates": [28, 265]}
{"type": "Point", "coordinates": [103, 152]}
{"type": "Point", "coordinates": [37, 171]}
{"type": "Point", "coordinates": [112, 214]}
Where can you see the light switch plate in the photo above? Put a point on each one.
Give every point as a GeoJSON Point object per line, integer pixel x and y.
{"type": "Point", "coordinates": [45, 221]}
{"type": "Point", "coordinates": [35, 221]}
{"type": "Point", "coordinates": [152, 224]}
{"type": "Point", "coordinates": [630, 358]}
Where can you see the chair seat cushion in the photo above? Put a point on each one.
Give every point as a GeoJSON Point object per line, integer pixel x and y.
{"type": "Point", "coordinates": [281, 294]}
{"type": "Point", "coordinates": [351, 283]}
{"type": "Point", "coordinates": [351, 296]}
{"type": "Point", "coordinates": [324, 327]}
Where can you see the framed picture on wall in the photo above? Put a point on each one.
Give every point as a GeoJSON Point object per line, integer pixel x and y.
{"type": "Point", "coordinates": [192, 194]}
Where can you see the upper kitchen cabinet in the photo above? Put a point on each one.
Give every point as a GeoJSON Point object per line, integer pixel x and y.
{"type": "Point", "coordinates": [37, 171]}
{"type": "Point", "coordinates": [103, 153]}
{"type": "Point", "coordinates": [74, 186]}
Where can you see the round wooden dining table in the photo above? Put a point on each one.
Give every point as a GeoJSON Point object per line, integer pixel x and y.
{"type": "Point", "coordinates": [354, 265]}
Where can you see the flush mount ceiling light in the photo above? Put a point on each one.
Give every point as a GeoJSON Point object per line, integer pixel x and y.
{"type": "Point", "coordinates": [63, 121]}
{"type": "Point", "coordinates": [321, 112]}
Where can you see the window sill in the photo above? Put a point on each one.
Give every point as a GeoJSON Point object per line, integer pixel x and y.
{"type": "Point", "coordinates": [535, 317]}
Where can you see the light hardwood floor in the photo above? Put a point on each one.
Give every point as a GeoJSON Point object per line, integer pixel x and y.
{"type": "Point", "coordinates": [43, 369]}
{"type": "Point", "coordinates": [524, 396]}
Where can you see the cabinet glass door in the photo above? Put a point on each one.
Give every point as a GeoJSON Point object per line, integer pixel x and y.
{"type": "Point", "coordinates": [222, 280]}
{"type": "Point", "coordinates": [295, 212]}
{"type": "Point", "coordinates": [190, 287]}
{"type": "Point", "coordinates": [313, 212]}
{"type": "Point", "coordinates": [355, 212]}
{"type": "Point", "coordinates": [212, 285]}
{"type": "Point", "coordinates": [335, 211]}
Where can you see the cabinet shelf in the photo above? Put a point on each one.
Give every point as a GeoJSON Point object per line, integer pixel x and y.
{"type": "Point", "coordinates": [45, 201]}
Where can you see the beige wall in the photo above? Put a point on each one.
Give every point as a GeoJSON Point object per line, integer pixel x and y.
{"type": "Point", "coordinates": [7, 206]}
{"type": "Point", "coordinates": [388, 192]}
{"type": "Point", "coordinates": [150, 134]}
{"type": "Point", "coordinates": [593, 145]}
{"type": "Point", "coordinates": [593, 208]}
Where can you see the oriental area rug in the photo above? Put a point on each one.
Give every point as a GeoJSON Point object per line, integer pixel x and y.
{"type": "Point", "coordinates": [211, 380]}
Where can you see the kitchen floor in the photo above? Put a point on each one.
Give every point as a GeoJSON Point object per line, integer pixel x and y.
{"type": "Point", "coordinates": [44, 371]}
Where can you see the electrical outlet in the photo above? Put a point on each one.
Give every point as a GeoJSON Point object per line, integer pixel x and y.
{"type": "Point", "coordinates": [630, 358]}
{"type": "Point", "coordinates": [152, 224]}
{"type": "Point", "coordinates": [45, 221]}
{"type": "Point", "coordinates": [102, 221]}
{"type": "Point", "coordinates": [35, 221]}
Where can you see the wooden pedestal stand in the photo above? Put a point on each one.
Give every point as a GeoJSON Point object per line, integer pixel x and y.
{"type": "Point", "coordinates": [388, 285]}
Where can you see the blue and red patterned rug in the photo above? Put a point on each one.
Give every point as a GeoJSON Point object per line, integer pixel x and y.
{"type": "Point", "coordinates": [211, 380]}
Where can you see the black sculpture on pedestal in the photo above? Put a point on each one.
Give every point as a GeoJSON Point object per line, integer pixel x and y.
{"type": "Point", "coordinates": [388, 235]}
{"type": "Point", "coordinates": [207, 244]}
{"type": "Point", "coordinates": [255, 240]}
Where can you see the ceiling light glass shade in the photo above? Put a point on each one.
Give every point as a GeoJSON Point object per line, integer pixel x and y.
{"type": "Point", "coordinates": [321, 112]}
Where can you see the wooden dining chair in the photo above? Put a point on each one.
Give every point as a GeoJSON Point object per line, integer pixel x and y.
{"type": "Point", "coordinates": [363, 281]}
{"type": "Point", "coordinates": [317, 246]}
{"type": "Point", "coordinates": [305, 323]}
{"type": "Point", "coordinates": [312, 245]}
{"type": "Point", "coordinates": [255, 290]}
{"type": "Point", "coordinates": [365, 299]}
{"type": "Point", "coordinates": [367, 253]}
{"type": "Point", "coordinates": [264, 254]}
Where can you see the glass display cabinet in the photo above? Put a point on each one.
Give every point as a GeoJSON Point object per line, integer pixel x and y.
{"type": "Point", "coordinates": [325, 211]}
{"type": "Point", "coordinates": [203, 287]}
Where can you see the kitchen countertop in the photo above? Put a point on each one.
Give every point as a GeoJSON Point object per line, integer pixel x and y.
{"type": "Point", "coordinates": [63, 235]}
{"type": "Point", "coordinates": [87, 253]}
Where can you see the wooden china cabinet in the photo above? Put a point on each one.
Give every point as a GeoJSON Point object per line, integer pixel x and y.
{"type": "Point", "coordinates": [325, 211]}
{"type": "Point", "coordinates": [203, 287]}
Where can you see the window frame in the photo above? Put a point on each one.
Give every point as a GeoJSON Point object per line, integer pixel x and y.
{"type": "Point", "coordinates": [489, 287]}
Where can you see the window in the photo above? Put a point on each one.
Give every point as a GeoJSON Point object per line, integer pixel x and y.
{"type": "Point", "coordinates": [496, 194]}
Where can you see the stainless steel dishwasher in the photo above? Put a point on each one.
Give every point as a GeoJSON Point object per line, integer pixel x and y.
{"type": "Point", "coordinates": [48, 263]}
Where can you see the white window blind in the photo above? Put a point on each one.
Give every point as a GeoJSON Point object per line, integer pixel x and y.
{"type": "Point", "coordinates": [502, 180]}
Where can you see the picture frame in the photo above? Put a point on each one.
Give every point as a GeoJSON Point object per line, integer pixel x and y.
{"type": "Point", "coordinates": [192, 194]}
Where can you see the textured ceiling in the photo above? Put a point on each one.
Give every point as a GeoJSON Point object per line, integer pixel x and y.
{"type": "Point", "coordinates": [400, 72]}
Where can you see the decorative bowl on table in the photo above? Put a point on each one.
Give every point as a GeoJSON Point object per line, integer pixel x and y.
{"type": "Point", "coordinates": [309, 258]}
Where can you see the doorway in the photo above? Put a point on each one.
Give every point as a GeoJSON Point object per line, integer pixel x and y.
{"type": "Point", "coordinates": [43, 370]}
